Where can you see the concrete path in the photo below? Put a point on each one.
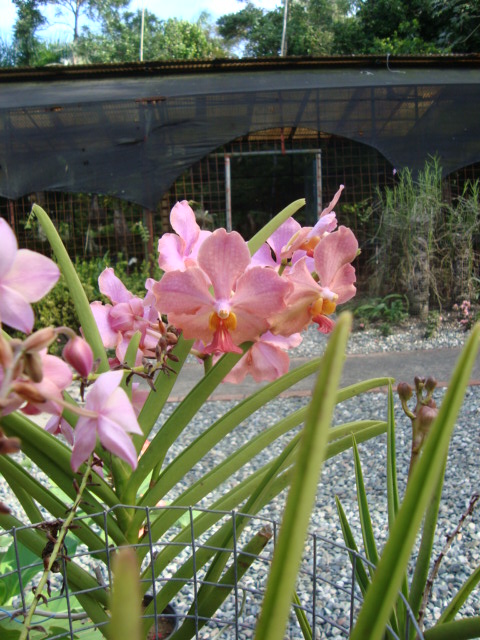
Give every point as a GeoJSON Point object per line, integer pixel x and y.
{"type": "Point", "coordinates": [400, 365]}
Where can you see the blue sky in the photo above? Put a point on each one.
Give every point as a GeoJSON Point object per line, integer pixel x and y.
{"type": "Point", "coordinates": [183, 9]}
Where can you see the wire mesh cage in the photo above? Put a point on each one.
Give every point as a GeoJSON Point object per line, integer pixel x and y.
{"type": "Point", "coordinates": [206, 576]}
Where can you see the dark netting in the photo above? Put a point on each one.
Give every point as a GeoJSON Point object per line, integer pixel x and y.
{"type": "Point", "coordinates": [130, 131]}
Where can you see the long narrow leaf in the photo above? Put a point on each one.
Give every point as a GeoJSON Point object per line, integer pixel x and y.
{"type": "Point", "coordinates": [464, 629]}
{"type": "Point", "coordinates": [349, 539]}
{"type": "Point", "coordinates": [207, 605]}
{"type": "Point", "coordinates": [164, 384]}
{"type": "Point", "coordinates": [300, 500]}
{"type": "Point", "coordinates": [265, 232]}
{"type": "Point", "coordinates": [383, 591]}
{"type": "Point", "coordinates": [80, 300]}
{"type": "Point", "coordinates": [393, 500]}
{"type": "Point", "coordinates": [364, 511]}
{"type": "Point", "coordinates": [459, 599]}
{"type": "Point", "coordinates": [392, 485]}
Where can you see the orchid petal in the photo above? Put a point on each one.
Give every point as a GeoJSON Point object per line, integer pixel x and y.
{"type": "Point", "coordinates": [15, 311]}
{"type": "Point", "coordinates": [104, 386]}
{"type": "Point", "coordinates": [224, 257]}
{"type": "Point", "coordinates": [119, 408]}
{"type": "Point", "coordinates": [263, 257]}
{"type": "Point", "coordinates": [85, 440]}
{"type": "Point", "coordinates": [112, 287]}
{"type": "Point", "coordinates": [334, 251]}
{"type": "Point", "coordinates": [31, 275]}
{"type": "Point", "coordinates": [283, 235]}
{"type": "Point", "coordinates": [184, 292]}
{"type": "Point", "coordinates": [334, 201]}
{"type": "Point", "coordinates": [117, 441]}
{"type": "Point", "coordinates": [101, 314]}
{"type": "Point", "coordinates": [9, 247]}
{"type": "Point", "coordinates": [171, 251]}
{"type": "Point", "coordinates": [56, 370]}
{"type": "Point", "coordinates": [183, 221]}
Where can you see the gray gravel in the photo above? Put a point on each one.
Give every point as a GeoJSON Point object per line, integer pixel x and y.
{"type": "Point", "coordinates": [462, 480]}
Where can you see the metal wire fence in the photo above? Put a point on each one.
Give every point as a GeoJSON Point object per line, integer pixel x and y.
{"type": "Point", "coordinates": [328, 590]}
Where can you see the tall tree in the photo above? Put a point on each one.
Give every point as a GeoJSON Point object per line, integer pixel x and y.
{"type": "Point", "coordinates": [29, 20]}
{"type": "Point", "coordinates": [73, 10]}
{"type": "Point", "coordinates": [119, 40]}
{"type": "Point", "coordinates": [310, 28]}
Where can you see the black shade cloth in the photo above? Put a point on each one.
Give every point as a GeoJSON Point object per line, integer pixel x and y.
{"type": "Point", "coordinates": [130, 130]}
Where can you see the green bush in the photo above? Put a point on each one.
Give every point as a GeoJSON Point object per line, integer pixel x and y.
{"type": "Point", "coordinates": [389, 310]}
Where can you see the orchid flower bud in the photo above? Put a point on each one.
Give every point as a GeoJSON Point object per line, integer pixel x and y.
{"type": "Point", "coordinates": [33, 367]}
{"type": "Point", "coordinates": [8, 445]}
{"type": "Point", "coordinates": [425, 416]}
{"type": "Point", "coordinates": [6, 353]}
{"type": "Point", "coordinates": [39, 340]}
{"type": "Point", "coordinates": [28, 391]}
{"type": "Point", "coordinates": [78, 354]}
{"type": "Point", "coordinates": [404, 391]}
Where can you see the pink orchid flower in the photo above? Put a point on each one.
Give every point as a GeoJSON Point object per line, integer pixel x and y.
{"type": "Point", "coordinates": [266, 359]}
{"type": "Point", "coordinates": [25, 277]}
{"type": "Point", "coordinates": [316, 301]}
{"type": "Point", "coordinates": [177, 251]}
{"type": "Point", "coordinates": [308, 237]}
{"type": "Point", "coordinates": [118, 322]}
{"type": "Point", "coordinates": [243, 299]}
{"type": "Point", "coordinates": [112, 418]}
{"type": "Point", "coordinates": [273, 252]}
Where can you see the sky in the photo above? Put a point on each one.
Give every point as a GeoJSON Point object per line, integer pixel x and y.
{"type": "Point", "coordinates": [182, 9]}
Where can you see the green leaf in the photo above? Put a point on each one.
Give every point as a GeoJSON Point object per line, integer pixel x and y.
{"type": "Point", "coordinates": [360, 572]}
{"type": "Point", "coordinates": [163, 386]}
{"type": "Point", "coordinates": [265, 232]}
{"type": "Point", "coordinates": [302, 619]}
{"type": "Point", "coordinates": [364, 512]}
{"type": "Point", "coordinates": [301, 496]}
{"type": "Point", "coordinates": [9, 578]}
{"type": "Point", "coordinates": [80, 300]}
{"type": "Point", "coordinates": [207, 604]}
{"type": "Point", "coordinates": [459, 599]}
{"type": "Point", "coordinates": [383, 591]}
{"type": "Point", "coordinates": [392, 485]}
{"type": "Point", "coordinates": [464, 629]}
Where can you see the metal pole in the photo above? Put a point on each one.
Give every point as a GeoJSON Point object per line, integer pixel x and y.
{"type": "Point", "coordinates": [283, 48]}
{"type": "Point", "coordinates": [318, 177]}
{"type": "Point", "coordinates": [228, 194]}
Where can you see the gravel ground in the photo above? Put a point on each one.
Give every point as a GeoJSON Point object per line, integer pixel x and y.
{"type": "Point", "coordinates": [461, 482]}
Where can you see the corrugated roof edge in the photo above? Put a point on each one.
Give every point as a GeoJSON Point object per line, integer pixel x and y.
{"type": "Point", "coordinates": [226, 65]}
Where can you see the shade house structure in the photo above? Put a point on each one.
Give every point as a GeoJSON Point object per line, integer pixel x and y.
{"type": "Point", "coordinates": [130, 130]}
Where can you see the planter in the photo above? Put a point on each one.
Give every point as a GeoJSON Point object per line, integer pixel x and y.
{"type": "Point", "coordinates": [167, 622]}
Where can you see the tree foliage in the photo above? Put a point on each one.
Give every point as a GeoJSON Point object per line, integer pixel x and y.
{"type": "Point", "coordinates": [74, 9]}
{"type": "Point", "coordinates": [310, 28]}
{"type": "Point", "coordinates": [25, 41]}
{"type": "Point", "coordinates": [319, 27]}
{"type": "Point", "coordinates": [314, 28]}
{"type": "Point", "coordinates": [119, 40]}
